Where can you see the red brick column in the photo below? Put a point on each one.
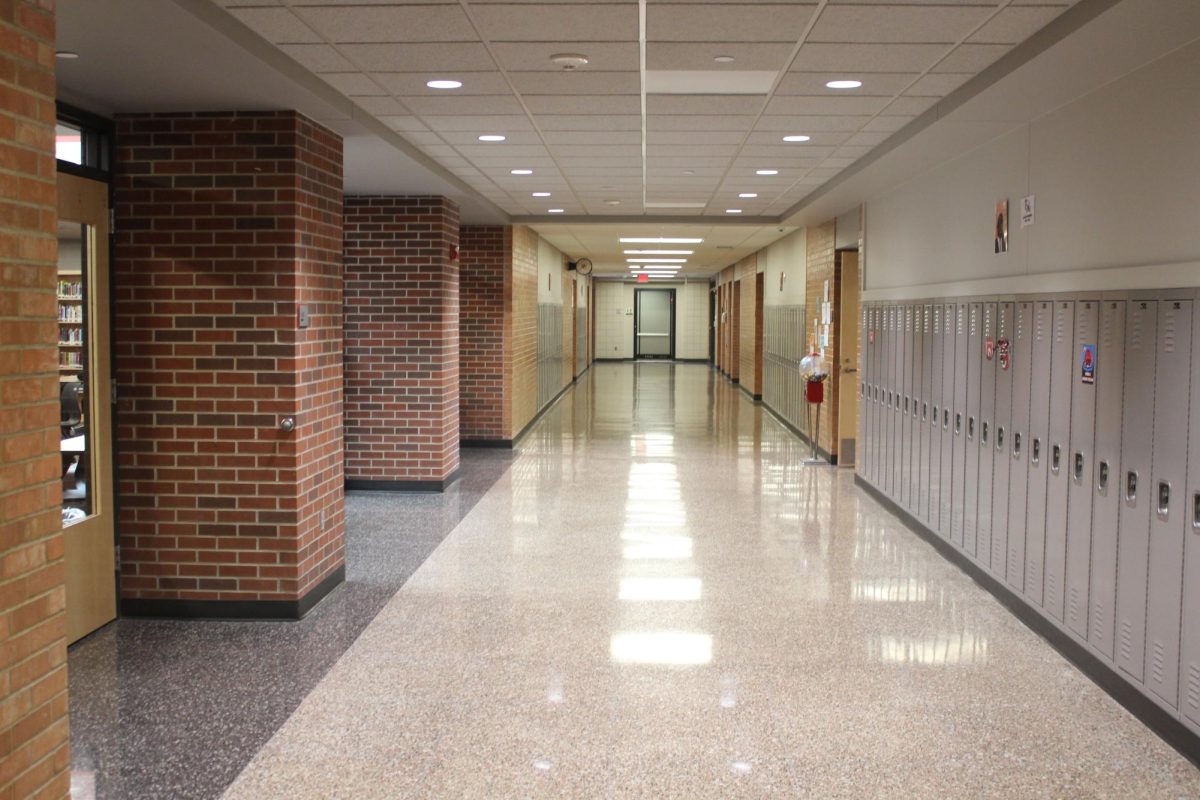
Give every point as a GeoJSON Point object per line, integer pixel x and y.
{"type": "Point", "coordinates": [401, 332]}
{"type": "Point", "coordinates": [33, 655]}
{"type": "Point", "coordinates": [228, 225]}
{"type": "Point", "coordinates": [485, 299]}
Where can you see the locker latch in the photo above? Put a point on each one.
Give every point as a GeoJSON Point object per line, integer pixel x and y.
{"type": "Point", "coordinates": [1131, 481]}
{"type": "Point", "coordinates": [983, 440]}
{"type": "Point", "coordinates": [1196, 511]}
{"type": "Point", "coordinates": [945, 419]}
{"type": "Point", "coordinates": [1000, 438]}
{"type": "Point", "coordinates": [935, 415]}
{"type": "Point", "coordinates": [1035, 455]}
{"type": "Point", "coordinates": [1055, 458]}
{"type": "Point", "coordinates": [914, 408]}
{"type": "Point", "coordinates": [905, 405]}
{"type": "Point", "coordinates": [924, 411]}
{"type": "Point", "coordinates": [1102, 478]}
{"type": "Point", "coordinates": [970, 427]}
{"type": "Point", "coordinates": [1016, 444]}
{"type": "Point", "coordinates": [957, 423]}
{"type": "Point", "coordinates": [1078, 469]}
{"type": "Point", "coordinates": [1164, 499]}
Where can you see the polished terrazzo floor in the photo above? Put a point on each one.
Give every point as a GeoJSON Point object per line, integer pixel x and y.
{"type": "Point", "coordinates": [658, 599]}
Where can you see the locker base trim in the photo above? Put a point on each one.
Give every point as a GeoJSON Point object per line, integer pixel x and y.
{"type": "Point", "coordinates": [1149, 713]}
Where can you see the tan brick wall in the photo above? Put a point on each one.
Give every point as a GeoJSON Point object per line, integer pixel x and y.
{"type": "Point", "coordinates": [34, 755]}
{"type": "Point", "coordinates": [521, 335]}
{"type": "Point", "coordinates": [821, 244]}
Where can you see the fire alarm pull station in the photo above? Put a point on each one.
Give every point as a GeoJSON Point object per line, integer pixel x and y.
{"type": "Point", "coordinates": [302, 319]}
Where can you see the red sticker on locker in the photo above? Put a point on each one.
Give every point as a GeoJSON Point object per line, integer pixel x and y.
{"type": "Point", "coordinates": [989, 348]}
{"type": "Point", "coordinates": [1002, 348]}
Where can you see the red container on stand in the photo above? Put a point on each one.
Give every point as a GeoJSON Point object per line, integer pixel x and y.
{"type": "Point", "coordinates": [814, 391]}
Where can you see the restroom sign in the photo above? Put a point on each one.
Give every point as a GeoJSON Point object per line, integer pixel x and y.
{"type": "Point", "coordinates": [1087, 363]}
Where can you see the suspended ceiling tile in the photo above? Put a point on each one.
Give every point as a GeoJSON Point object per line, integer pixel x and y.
{"type": "Point", "coordinates": [277, 25]}
{"type": "Point", "coordinates": [938, 84]}
{"type": "Point", "coordinates": [594, 104]}
{"type": "Point", "coordinates": [700, 55]}
{"type": "Point", "coordinates": [886, 84]}
{"type": "Point", "coordinates": [853, 151]}
{"type": "Point", "coordinates": [475, 150]}
{"type": "Point", "coordinates": [540, 164]}
{"type": "Point", "coordinates": [602, 56]}
{"type": "Point", "coordinates": [353, 83]}
{"type": "Point", "coordinates": [666, 104]}
{"type": "Point", "coordinates": [802, 105]}
{"type": "Point", "coordinates": [572, 122]}
{"type": "Point", "coordinates": [1015, 25]}
{"type": "Point", "coordinates": [413, 84]}
{"type": "Point", "coordinates": [691, 150]}
{"type": "Point", "coordinates": [463, 104]}
{"type": "Point", "coordinates": [382, 106]}
{"type": "Point", "coordinates": [749, 22]}
{"type": "Point", "coordinates": [809, 124]}
{"type": "Point", "coordinates": [819, 139]}
{"type": "Point", "coordinates": [887, 123]}
{"type": "Point", "coordinates": [394, 23]}
{"type": "Point", "coordinates": [694, 137]}
{"type": "Point", "coordinates": [597, 150]}
{"type": "Point", "coordinates": [868, 138]}
{"type": "Point", "coordinates": [911, 105]}
{"type": "Point", "coordinates": [592, 137]}
{"type": "Point", "coordinates": [402, 123]}
{"type": "Point", "coordinates": [702, 122]}
{"type": "Point", "coordinates": [971, 57]}
{"type": "Point", "coordinates": [433, 60]}
{"type": "Point", "coordinates": [840, 163]}
{"type": "Point", "coordinates": [479, 124]}
{"type": "Point", "coordinates": [885, 23]}
{"type": "Point", "coordinates": [784, 151]}
{"type": "Point", "coordinates": [615, 172]}
{"type": "Point", "coordinates": [318, 57]}
{"type": "Point", "coordinates": [576, 83]}
{"type": "Point", "coordinates": [514, 138]}
{"type": "Point", "coordinates": [424, 138]}
{"type": "Point", "coordinates": [850, 59]}
{"type": "Point", "coordinates": [557, 22]}
{"type": "Point", "coordinates": [694, 163]}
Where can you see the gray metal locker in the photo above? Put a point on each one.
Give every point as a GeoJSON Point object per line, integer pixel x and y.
{"type": "Point", "coordinates": [1021, 360]}
{"type": "Point", "coordinates": [880, 394]}
{"type": "Point", "coordinates": [869, 433]}
{"type": "Point", "coordinates": [914, 413]}
{"type": "Point", "coordinates": [985, 431]}
{"type": "Point", "coordinates": [1106, 476]}
{"type": "Point", "coordinates": [936, 365]}
{"type": "Point", "coordinates": [906, 353]}
{"type": "Point", "coordinates": [889, 382]}
{"type": "Point", "coordinates": [867, 375]}
{"type": "Point", "coordinates": [958, 425]}
{"type": "Point", "coordinates": [1002, 438]}
{"type": "Point", "coordinates": [945, 525]}
{"type": "Point", "coordinates": [1168, 494]}
{"type": "Point", "coordinates": [1038, 451]}
{"type": "Point", "coordinates": [1084, 377]}
{"type": "Point", "coordinates": [1190, 653]}
{"type": "Point", "coordinates": [974, 348]}
{"type": "Point", "coordinates": [897, 420]}
{"type": "Point", "coordinates": [860, 467]}
{"type": "Point", "coordinates": [925, 432]}
{"type": "Point", "coordinates": [1059, 465]}
{"type": "Point", "coordinates": [1137, 454]}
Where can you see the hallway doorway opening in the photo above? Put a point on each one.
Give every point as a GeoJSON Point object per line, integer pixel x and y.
{"type": "Point", "coordinates": [846, 344]}
{"type": "Point", "coordinates": [654, 323]}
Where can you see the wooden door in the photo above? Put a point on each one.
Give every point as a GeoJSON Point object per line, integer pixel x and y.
{"type": "Point", "coordinates": [847, 370]}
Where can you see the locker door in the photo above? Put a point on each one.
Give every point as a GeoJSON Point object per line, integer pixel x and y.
{"type": "Point", "coordinates": [926, 394]}
{"type": "Point", "coordinates": [914, 415]}
{"type": "Point", "coordinates": [905, 470]}
{"type": "Point", "coordinates": [1106, 475]}
{"type": "Point", "coordinates": [885, 406]}
{"type": "Point", "coordinates": [1168, 496]}
{"type": "Point", "coordinates": [1001, 439]}
{"type": "Point", "coordinates": [948, 379]}
{"type": "Point", "coordinates": [1021, 365]}
{"type": "Point", "coordinates": [1079, 466]}
{"type": "Point", "coordinates": [1191, 564]}
{"type": "Point", "coordinates": [897, 420]}
{"type": "Point", "coordinates": [1039, 429]}
{"type": "Point", "coordinates": [986, 430]}
{"type": "Point", "coordinates": [935, 419]}
{"type": "Point", "coordinates": [860, 467]}
{"type": "Point", "coordinates": [876, 412]}
{"type": "Point", "coordinates": [958, 425]}
{"type": "Point", "coordinates": [1060, 466]}
{"type": "Point", "coordinates": [1137, 441]}
{"type": "Point", "coordinates": [869, 399]}
{"type": "Point", "coordinates": [974, 354]}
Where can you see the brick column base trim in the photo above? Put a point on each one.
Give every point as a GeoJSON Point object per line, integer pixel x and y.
{"type": "Point", "coordinates": [383, 485]}
{"type": "Point", "coordinates": [234, 609]}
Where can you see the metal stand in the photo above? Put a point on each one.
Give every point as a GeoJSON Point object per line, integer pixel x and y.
{"type": "Point", "coordinates": [816, 437]}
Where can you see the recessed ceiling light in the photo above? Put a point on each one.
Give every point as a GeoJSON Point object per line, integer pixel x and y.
{"type": "Point", "coordinates": [748, 194]}
{"type": "Point", "coordinates": [520, 172]}
{"type": "Point", "coordinates": [569, 61]}
{"type": "Point", "coordinates": [612, 202]}
{"type": "Point", "coordinates": [733, 211]}
{"type": "Point", "coordinates": [69, 55]}
{"type": "Point", "coordinates": [766, 172]}
{"type": "Point", "coordinates": [658, 240]}
{"type": "Point", "coordinates": [797, 138]}
{"type": "Point", "coordinates": [843, 84]}
{"type": "Point", "coordinates": [659, 252]}
{"type": "Point", "coordinates": [657, 260]}
{"type": "Point", "coordinates": [492, 137]}
{"type": "Point", "coordinates": [724, 59]}
{"type": "Point", "coordinates": [541, 194]}
{"type": "Point", "coordinates": [444, 84]}
{"type": "Point", "coordinates": [555, 210]}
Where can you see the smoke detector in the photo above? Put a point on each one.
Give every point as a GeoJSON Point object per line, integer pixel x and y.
{"type": "Point", "coordinates": [569, 61]}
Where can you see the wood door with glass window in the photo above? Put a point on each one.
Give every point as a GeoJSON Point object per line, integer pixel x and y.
{"type": "Point", "coordinates": [85, 400]}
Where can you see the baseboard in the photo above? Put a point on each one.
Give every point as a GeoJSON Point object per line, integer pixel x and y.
{"type": "Point", "coordinates": [801, 435]}
{"type": "Point", "coordinates": [496, 444]}
{"type": "Point", "coordinates": [372, 485]}
{"type": "Point", "coordinates": [549, 405]}
{"type": "Point", "coordinates": [234, 609]}
{"type": "Point", "coordinates": [1153, 716]}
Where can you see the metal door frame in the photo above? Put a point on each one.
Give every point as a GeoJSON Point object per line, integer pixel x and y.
{"type": "Point", "coordinates": [637, 311]}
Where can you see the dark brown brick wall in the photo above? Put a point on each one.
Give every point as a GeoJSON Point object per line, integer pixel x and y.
{"type": "Point", "coordinates": [34, 755]}
{"type": "Point", "coordinates": [485, 253]}
{"type": "Point", "coordinates": [226, 224]}
{"type": "Point", "coordinates": [401, 332]}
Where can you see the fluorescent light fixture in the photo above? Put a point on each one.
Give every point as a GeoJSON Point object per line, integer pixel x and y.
{"type": "Point", "coordinates": [661, 647]}
{"type": "Point", "coordinates": [492, 137]}
{"type": "Point", "coordinates": [844, 84]}
{"type": "Point", "coordinates": [661, 268]}
{"type": "Point", "coordinates": [444, 84]}
{"type": "Point", "coordinates": [724, 59]}
{"type": "Point", "coordinates": [797, 138]}
{"type": "Point", "coordinates": [733, 211]}
{"type": "Point", "coordinates": [656, 260]}
{"type": "Point", "coordinates": [659, 252]}
{"type": "Point", "coordinates": [748, 194]}
{"type": "Point", "coordinates": [555, 210]}
{"type": "Point", "coordinates": [658, 240]}
{"type": "Point", "coordinates": [766, 172]}
{"type": "Point", "coordinates": [520, 172]}
{"type": "Point", "coordinates": [541, 194]}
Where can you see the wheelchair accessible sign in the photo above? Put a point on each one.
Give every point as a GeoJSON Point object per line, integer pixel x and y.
{"type": "Point", "coordinates": [1087, 365]}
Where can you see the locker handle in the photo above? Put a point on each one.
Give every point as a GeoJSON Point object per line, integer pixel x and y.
{"type": "Point", "coordinates": [983, 440]}
{"type": "Point", "coordinates": [914, 408]}
{"type": "Point", "coordinates": [970, 427]}
{"type": "Point", "coordinates": [1078, 467]}
{"type": "Point", "coordinates": [1102, 482]}
{"type": "Point", "coordinates": [1035, 455]}
{"type": "Point", "coordinates": [935, 415]}
{"type": "Point", "coordinates": [1000, 438]}
{"type": "Point", "coordinates": [1055, 458]}
{"type": "Point", "coordinates": [945, 419]}
{"type": "Point", "coordinates": [1131, 482]}
{"type": "Point", "coordinates": [906, 405]}
{"type": "Point", "coordinates": [957, 423]}
{"type": "Point", "coordinates": [1164, 499]}
{"type": "Point", "coordinates": [924, 411]}
{"type": "Point", "coordinates": [1017, 444]}
{"type": "Point", "coordinates": [1196, 511]}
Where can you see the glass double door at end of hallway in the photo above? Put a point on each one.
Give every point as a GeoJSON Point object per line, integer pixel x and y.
{"type": "Point", "coordinates": [654, 323]}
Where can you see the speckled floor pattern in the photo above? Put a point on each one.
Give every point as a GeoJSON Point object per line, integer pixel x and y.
{"type": "Point", "coordinates": [169, 710]}
{"type": "Point", "coordinates": [660, 600]}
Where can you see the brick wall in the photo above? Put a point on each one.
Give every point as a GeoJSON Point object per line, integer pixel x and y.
{"type": "Point", "coordinates": [33, 665]}
{"type": "Point", "coordinates": [521, 370]}
{"type": "Point", "coordinates": [484, 255]}
{"type": "Point", "coordinates": [226, 223]}
{"type": "Point", "coordinates": [820, 260]}
{"type": "Point", "coordinates": [402, 345]}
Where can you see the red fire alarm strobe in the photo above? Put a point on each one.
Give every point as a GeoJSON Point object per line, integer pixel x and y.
{"type": "Point", "coordinates": [454, 252]}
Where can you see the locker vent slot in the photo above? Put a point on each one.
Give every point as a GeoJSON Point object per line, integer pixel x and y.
{"type": "Point", "coordinates": [1073, 604]}
{"type": "Point", "coordinates": [1193, 687]}
{"type": "Point", "coordinates": [1099, 617]}
{"type": "Point", "coordinates": [1168, 339]}
{"type": "Point", "coordinates": [1157, 662]}
{"type": "Point", "coordinates": [1126, 640]}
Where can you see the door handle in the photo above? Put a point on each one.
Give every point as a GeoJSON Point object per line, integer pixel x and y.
{"type": "Point", "coordinates": [849, 370]}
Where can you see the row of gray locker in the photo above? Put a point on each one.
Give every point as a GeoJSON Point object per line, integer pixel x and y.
{"type": "Point", "coordinates": [1049, 440]}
